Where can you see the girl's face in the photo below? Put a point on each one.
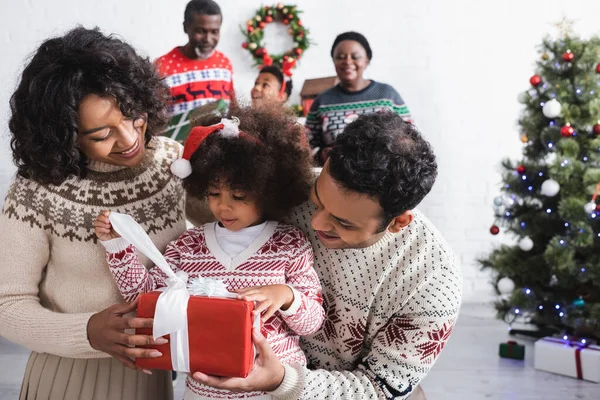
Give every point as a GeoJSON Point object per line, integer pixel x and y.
{"type": "Point", "coordinates": [350, 60]}
{"type": "Point", "coordinates": [233, 208]}
{"type": "Point", "coordinates": [266, 89]}
{"type": "Point", "coordinates": [106, 135]}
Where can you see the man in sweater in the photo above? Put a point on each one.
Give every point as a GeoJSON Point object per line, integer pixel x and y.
{"type": "Point", "coordinates": [391, 286]}
{"type": "Point", "coordinates": [196, 73]}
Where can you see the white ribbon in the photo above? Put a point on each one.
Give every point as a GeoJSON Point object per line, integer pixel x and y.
{"type": "Point", "coordinates": [170, 315]}
{"type": "Point", "coordinates": [209, 287]}
{"type": "Point", "coordinates": [230, 127]}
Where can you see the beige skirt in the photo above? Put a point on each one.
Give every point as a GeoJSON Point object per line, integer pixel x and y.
{"type": "Point", "coordinates": [49, 377]}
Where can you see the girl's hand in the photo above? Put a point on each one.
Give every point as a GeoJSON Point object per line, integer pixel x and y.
{"type": "Point", "coordinates": [103, 228]}
{"type": "Point", "coordinates": [269, 298]}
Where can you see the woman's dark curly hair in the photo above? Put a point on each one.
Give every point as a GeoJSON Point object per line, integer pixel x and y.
{"type": "Point", "coordinates": [385, 158]}
{"type": "Point", "coordinates": [45, 106]}
{"type": "Point", "coordinates": [270, 161]}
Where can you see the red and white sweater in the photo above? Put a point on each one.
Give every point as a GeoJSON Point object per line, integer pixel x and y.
{"type": "Point", "coordinates": [281, 254]}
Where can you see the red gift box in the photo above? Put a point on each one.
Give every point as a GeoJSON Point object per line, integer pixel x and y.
{"type": "Point", "coordinates": [219, 331]}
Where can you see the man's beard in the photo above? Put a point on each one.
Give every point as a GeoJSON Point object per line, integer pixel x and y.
{"type": "Point", "coordinates": [202, 55]}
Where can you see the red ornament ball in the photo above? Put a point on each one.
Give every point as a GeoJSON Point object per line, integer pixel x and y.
{"type": "Point", "coordinates": [290, 16]}
{"type": "Point", "coordinates": [298, 50]}
{"type": "Point", "coordinates": [494, 230]}
{"type": "Point", "coordinates": [567, 131]}
{"type": "Point", "coordinates": [535, 80]}
{"type": "Point", "coordinates": [300, 24]}
{"type": "Point", "coordinates": [250, 29]}
{"type": "Point", "coordinates": [262, 25]}
{"type": "Point", "coordinates": [268, 18]}
{"type": "Point", "coordinates": [568, 56]}
{"type": "Point", "coordinates": [260, 52]}
{"type": "Point", "coordinates": [286, 21]}
{"type": "Point", "coordinates": [285, 58]}
{"type": "Point", "coordinates": [245, 45]}
{"type": "Point", "coordinates": [596, 129]}
{"type": "Point", "coordinates": [521, 169]}
{"type": "Point", "coordinates": [597, 207]}
{"type": "Point", "coordinates": [598, 68]}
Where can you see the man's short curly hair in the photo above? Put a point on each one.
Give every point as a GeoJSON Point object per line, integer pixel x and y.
{"type": "Point", "coordinates": [65, 69]}
{"type": "Point", "coordinates": [270, 161]}
{"type": "Point", "coordinates": [385, 158]}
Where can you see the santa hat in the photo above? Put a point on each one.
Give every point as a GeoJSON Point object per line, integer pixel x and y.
{"type": "Point", "coordinates": [227, 127]}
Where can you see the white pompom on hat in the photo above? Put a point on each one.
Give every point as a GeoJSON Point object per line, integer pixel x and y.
{"type": "Point", "coordinates": [227, 127]}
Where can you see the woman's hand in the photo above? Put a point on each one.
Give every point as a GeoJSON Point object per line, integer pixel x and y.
{"type": "Point", "coordinates": [269, 298]}
{"type": "Point", "coordinates": [103, 228]}
{"type": "Point", "coordinates": [105, 332]}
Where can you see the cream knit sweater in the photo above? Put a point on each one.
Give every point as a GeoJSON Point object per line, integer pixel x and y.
{"type": "Point", "coordinates": [54, 273]}
{"type": "Point", "coordinates": [389, 311]}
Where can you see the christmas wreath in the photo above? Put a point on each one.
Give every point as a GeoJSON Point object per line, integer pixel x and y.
{"type": "Point", "coordinates": [254, 33]}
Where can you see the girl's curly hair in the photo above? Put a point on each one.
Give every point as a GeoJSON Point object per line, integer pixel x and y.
{"type": "Point", "coordinates": [270, 161]}
{"type": "Point", "coordinates": [45, 106]}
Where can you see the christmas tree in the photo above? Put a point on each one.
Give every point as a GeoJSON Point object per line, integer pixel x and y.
{"type": "Point", "coordinates": [551, 277]}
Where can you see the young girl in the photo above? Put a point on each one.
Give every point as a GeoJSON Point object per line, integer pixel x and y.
{"type": "Point", "coordinates": [271, 86]}
{"type": "Point", "coordinates": [251, 176]}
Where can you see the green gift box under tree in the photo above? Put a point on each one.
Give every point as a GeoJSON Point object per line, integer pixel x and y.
{"type": "Point", "coordinates": [512, 349]}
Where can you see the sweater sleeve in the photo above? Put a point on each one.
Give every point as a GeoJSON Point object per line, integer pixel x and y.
{"type": "Point", "coordinates": [306, 314]}
{"type": "Point", "coordinates": [400, 107]}
{"type": "Point", "coordinates": [24, 255]}
{"type": "Point", "coordinates": [130, 274]}
{"type": "Point", "coordinates": [314, 127]}
{"type": "Point", "coordinates": [400, 356]}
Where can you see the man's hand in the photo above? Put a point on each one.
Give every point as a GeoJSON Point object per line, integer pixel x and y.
{"type": "Point", "coordinates": [266, 376]}
{"type": "Point", "coordinates": [269, 298]}
{"type": "Point", "coordinates": [105, 332]}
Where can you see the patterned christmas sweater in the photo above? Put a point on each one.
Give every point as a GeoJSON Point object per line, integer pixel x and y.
{"type": "Point", "coordinates": [54, 274]}
{"type": "Point", "coordinates": [281, 254]}
{"type": "Point", "coordinates": [193, 83]}
{"type": "Point", "coordinates": [390, 309]}
{"type": "Point", "coordinates": [335, 108]}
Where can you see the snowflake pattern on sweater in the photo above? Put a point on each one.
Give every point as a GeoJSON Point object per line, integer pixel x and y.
{"type": "Point", "coordinates": [389, 311]}
{"type": "Point", "coordinates": [280, 255]}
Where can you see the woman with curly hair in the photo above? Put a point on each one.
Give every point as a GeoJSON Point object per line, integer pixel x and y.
{"type": "Point", "coordinates": [83, 121]}
{"type": "Point", "coordinates": [251, 175]}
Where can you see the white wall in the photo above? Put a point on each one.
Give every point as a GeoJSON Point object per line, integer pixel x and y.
{"type": "Point", "coordinates": [459, 66]}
